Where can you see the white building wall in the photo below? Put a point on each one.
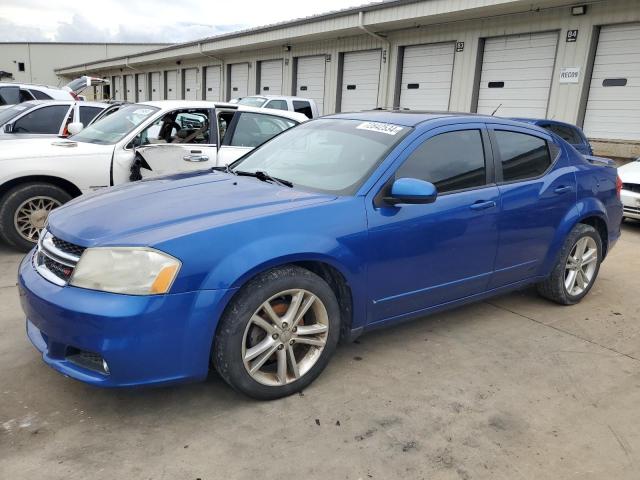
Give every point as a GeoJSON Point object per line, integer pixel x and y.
{"type": "Point", "coordinates": [566, 101]}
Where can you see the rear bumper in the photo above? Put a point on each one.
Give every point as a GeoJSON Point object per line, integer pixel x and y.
{"type": "Point", "coordinates": [145, 340]}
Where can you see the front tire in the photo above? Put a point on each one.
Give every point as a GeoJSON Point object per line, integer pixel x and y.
{"type": "Point", "coordinates": [278, 334]}
{"type": "Point", "coordinates": [24, 210]}
{"type": "Point", "coordinates": [577, 267]}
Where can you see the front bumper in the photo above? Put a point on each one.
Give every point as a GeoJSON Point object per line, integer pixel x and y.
{"type": "Point", "coordinates": [630, 204]}
{"type": "Point", "coordinates": [145, 340]}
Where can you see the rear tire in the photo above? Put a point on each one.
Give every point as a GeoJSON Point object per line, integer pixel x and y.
{"type": "Point", "coordinates": [577, 267]}
{"type": "Point", "coordinates": [278, 333]}
{"type": "Point", "coordinates": [24, 210]}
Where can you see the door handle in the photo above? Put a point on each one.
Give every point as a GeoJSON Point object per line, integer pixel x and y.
{"type": "Point", "coordinates": [483, 205]}
{"type": "Point", "coordinates": [563, 189]}
{"type": "Point", "coordinates": [195, 158]}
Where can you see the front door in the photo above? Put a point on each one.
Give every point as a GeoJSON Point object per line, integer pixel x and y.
{"type": "Point", "coordinates": [422, 256]}
{"type": "Point", "coordinates": [181, 141]}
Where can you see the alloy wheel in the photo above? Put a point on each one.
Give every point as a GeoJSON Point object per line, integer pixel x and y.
{"type": "Point", "coordinates": [581, 266]}
{"type": "Point", "coordinates": [31, 216]}
{"type": "Point", "coordinates": [285, 337]}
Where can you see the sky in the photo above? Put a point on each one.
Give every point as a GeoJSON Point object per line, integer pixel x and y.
{"type": "Point", "coordinates": [167, 21]}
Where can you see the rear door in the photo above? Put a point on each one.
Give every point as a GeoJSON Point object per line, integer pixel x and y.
{"type": "Point", "coordinates": [249, 130]}
{"type": "Point", "coordinates": [46, 120]}
{"type": "Point", "coordinates": [537, 190]}
{"type": "Point", "coordinates": [181, 141]}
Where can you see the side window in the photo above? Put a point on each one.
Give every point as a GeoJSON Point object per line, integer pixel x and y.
{"type": "Point", "coordinates": [88, 113]}
{"type": "Point", "coordinates": [40, 95]}
{"type": "Point", "coordinates": [25, 96]}
{"type": "Point", "coordinates": [253, 129]}
{"type": "Point", "coordinates": [177, 127]}
{"type": "Point", "coordinates": [9, 95]}
{"type": "Point", "coordinates": [43, 120]}
{"type": "Point", "coordinates": [277, 105]}
{"type": "Point", "coordinates": [523, 156]}
{"type": "Point", "coordinates": [451, 161]}
{"type": "Point", "coordinates": [303, 107]}
{"type": "Point", "coordinates": [571, 135]}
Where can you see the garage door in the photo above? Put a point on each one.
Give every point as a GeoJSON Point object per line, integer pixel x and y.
{"type": "Point", "coordinates": [190, 84]}
{"type": "Point", "coordinates": [271, 77]}
{"type": "Point", "coordinates": [156, 86]}
{"type": "Point", "coordinates": [613, 108]}
{"type": "Point", "coordinates": [360, 80]}
{"type": "Point", "coordinates": [118, 94]}
{"type": "Point", "coordinates": [130, 88]}
{"type": "Point", "coordinates": [171, 77]}
{"type": "Point", "coordinates": [142, 87]}
{"type": "Point", "coordinates": [310, 79]}
{"type": "Point", "coordinates": [426, 76]}
{"type": "Point", "coordinates": [516, 75]}
{"type": "Point", "coordinates": [239, 80]}
{"type": "Point", "coordinates": [212, 83]}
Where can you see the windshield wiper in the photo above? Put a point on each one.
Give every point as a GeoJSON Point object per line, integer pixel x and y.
{"type": "Point", "coordinates": [264, 176]}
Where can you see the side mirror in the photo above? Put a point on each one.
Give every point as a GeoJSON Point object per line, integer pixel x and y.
{"type": "Point", "coordinates": [75, 127]}
{"type": "Point", "coordinates": [411, 191]}
{"type": "Point", "coordinates": [8, 128]}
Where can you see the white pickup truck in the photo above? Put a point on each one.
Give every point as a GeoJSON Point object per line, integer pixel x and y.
{"type": "Point", "coordinates": [137, 141]}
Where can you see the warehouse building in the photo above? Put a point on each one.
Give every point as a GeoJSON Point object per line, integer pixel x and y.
{"type": "Point", "coordinates": [577, 62]}
{"type": "Point", "coordinates": [35, 62]}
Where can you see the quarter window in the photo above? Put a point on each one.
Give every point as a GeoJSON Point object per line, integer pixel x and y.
{"type": "Point", "coordinates": [42, 120]}
{"type": "Point", "coordinates": [451, 161]}
{"type": "Point", "coordinates": [523, 156]}
{"type": "Point", "coordinates": [40, 95]}
{"type": "Point", "coordinates": [302, 107]}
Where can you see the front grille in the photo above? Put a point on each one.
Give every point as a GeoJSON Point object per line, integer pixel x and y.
{"type": "Point", "coordinates": [67, 247]}
{"type": "Point", "coordinates": [631, 187]}
{"type": "Point", "coordinates": [634, 210]}
{"type": "Point", "coordinates": [55, 259]}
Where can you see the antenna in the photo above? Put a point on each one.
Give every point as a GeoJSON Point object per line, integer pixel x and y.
{"type": "Point", "coordinates": [497, 108]}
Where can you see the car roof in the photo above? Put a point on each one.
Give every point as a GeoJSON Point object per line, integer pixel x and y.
{"type": "Point", "coordinates": [412, 118]}
{"type": "Point", "coordinates": [278, 97]}
{"type": "Point", "coordinates": [28, 85]}
{"type": "Point", "coordinates": [37, 103]}
{"type": "Point", "coordinates": [173, 104]}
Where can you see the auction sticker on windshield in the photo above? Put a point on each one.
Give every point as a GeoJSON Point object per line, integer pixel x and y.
{"type": "Point", "coordinates": [380, 127]}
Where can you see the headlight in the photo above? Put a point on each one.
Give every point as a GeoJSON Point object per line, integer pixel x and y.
{"type": "Point", "coordinates": [133, 271]}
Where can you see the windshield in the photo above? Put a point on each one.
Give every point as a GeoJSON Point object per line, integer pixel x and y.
{"type": "Point", "coordinates": [116, 126]}
{"type": "Point", "coordinates": [252, 101]}
{"type": "Point", "coordinates": [327, 155]}
{"type": "Point", "coordinates": [9, 113]}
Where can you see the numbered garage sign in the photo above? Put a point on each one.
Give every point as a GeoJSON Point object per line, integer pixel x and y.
{"type": "Point", "coordinates": [570, 75]}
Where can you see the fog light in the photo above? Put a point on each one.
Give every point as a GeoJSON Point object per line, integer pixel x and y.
{"type": "Point", "coordinates": [105, 367]}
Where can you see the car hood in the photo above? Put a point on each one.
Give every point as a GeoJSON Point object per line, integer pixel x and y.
{"type": "Point", "coordinates": [157, 210]}
{"type": "Point", "coordinates": [630, 173]}
{"type": "Point", "coordinates": [48, 147]}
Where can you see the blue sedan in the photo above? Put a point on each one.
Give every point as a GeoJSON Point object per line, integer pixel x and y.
{"type": "Point", "coordinates": [341, 225]}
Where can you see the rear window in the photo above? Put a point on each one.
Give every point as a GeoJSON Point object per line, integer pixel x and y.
{"type": "Point", "coordinates": [522, 156]}
{"type": "Point", "coordinates": [88, 113]}
{"type": "Point", "coordinates": [569, 134]}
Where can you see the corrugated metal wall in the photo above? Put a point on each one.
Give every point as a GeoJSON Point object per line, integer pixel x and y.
{"type": "Point", "coordinates": [566, 101]}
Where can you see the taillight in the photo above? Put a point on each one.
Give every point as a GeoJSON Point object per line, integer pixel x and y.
{"type": "Point", "coordinates": [618, 186]}
{"type": "Point", "coordinates": [73, 94]}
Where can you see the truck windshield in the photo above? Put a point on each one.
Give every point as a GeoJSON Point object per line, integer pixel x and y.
{"type": "Point", "coordinates": [328, 155]}
{"type": "Point", "coordinates": [252, 101]}
{"type": "Point", "coordinates": [116, 126]}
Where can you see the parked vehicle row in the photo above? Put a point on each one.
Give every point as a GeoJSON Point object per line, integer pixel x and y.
{"type": "Point", "coordinates": [134, 141]}
{"type": "Point", "coordinates": [341, 225]}
{"type": "Point", "coordinates": [302, 105]}
{"type": "Point", "coordinates": [13, 93]}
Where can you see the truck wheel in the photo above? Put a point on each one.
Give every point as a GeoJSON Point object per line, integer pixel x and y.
{"type": "Point", "coordinates": [277, 334]}
{"type": "Point", "coordinates": [24, 210]}
{"type": "Point", "coordinates": [577, 268]}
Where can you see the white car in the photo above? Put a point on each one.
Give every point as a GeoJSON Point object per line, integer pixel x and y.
{"type": "Point", "coordinates": [137, 141]}
{"type": "Point", "coordinates": [47, 118]}
{"type": "Point", "coordinates": [630, 194]}
{"type": "Point", "coordinates": [302, 105]}
{"type": "Point", "coordinates": [12, 93]}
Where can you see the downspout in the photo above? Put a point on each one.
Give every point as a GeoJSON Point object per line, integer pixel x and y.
{"type": "Point", "coordinates": [385, 54]}
{"type": "Point", "coordinates": [222, 73]}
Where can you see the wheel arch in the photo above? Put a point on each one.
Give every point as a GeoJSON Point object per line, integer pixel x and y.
{"type": "Point", "coordinates": [62, 183]}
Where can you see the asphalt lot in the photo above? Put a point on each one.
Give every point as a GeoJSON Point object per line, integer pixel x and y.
{"type": "Point", "coordinates": [514, 388]}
